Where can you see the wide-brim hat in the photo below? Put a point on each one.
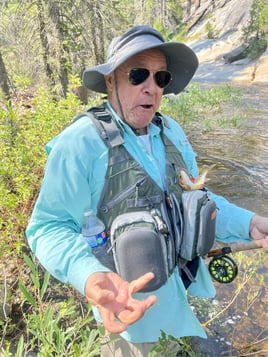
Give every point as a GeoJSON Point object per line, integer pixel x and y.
{"type": "Point", "coordinates": [182, 62]}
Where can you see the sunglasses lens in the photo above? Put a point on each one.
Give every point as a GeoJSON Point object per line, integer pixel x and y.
{"type": "Point", "coordinates": [138, 75]}
{"type": "Point", "coordinates": [162, 78]}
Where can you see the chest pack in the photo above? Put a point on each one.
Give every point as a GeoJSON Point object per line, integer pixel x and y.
{"type": "Point", "coordinates": [150, 229]}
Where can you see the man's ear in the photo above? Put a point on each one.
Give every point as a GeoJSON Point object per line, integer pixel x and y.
{"type": "Point", "coordinates": [109, 80]}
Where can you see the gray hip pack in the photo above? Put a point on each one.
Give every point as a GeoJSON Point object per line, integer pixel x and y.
{"type": "Point", "coordinates": [153, 241]}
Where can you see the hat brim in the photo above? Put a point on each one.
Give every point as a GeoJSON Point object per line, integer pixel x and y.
{"type": "Point", "coordinates": [182, 62]}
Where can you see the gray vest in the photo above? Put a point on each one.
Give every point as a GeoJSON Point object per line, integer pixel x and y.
{"type": "Point", "coordinates": [129, 188]}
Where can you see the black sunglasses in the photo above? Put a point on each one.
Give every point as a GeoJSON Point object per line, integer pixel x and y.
{"type": "Point", "coordinates": [137, 76]}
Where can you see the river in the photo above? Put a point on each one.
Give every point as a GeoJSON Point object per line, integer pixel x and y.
{"type": "Point", "coordinates": [240, 175]}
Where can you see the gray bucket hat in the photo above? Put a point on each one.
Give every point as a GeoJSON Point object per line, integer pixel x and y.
{"type": "Point", "coordinates": [181, 60]}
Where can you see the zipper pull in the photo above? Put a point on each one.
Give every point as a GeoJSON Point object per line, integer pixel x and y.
{"type": "Point", "coordinates": [136, 195]}
{"type": "Point", "coordinates": [138, 184]}
{"type": "Point", "coordinates": [160, 223]}
{"type": "Point", "coordinates": [168, 200]}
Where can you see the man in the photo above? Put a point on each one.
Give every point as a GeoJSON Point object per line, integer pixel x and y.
{"type": "Point", "coordinates": [140, 68]}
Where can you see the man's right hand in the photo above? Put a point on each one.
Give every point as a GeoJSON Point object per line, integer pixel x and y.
{"type": "Point", "coordinates": [113, 298]}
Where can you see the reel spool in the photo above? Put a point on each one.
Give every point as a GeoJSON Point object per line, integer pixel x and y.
{"type": "Point", "coordinates": [223, 269]}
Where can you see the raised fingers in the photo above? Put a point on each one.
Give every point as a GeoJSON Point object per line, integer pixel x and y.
{"type": "Point", "coordinates": [111, 322]}
{"type": "Point", "coordinates": [139, 283]}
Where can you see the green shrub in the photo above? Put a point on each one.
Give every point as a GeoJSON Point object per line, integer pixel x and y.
{"type": "Point", "coordinates": [199, 106]}
{"type": "Point", "coordinates": [209, 29]}
{"type": "Point", "coordinates": [54, 328]}
{"type": "Point", "coordinates": [255, 34]}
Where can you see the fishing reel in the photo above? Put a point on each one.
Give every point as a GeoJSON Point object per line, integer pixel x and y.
{"type": "Point", "coordinates": [223, 269]}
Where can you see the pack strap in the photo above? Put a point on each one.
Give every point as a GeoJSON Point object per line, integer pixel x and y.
{"type": "Point", "coordinates": [160, 120]}
{"type": "Point", "coordinates": [107, 128]}
{"type": "Point", "coordinates": [118, 158]}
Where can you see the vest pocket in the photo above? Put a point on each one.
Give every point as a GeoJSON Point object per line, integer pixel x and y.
{"type": "Point", "coordinates": [139, 247]}
{"type": "Point", "coordinates": [199, 217]}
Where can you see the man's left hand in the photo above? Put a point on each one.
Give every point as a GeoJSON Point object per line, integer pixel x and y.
{"type": "Point", "coordinates": [259, 230]}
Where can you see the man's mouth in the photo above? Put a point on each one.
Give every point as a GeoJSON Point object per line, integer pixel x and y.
{"type": "Point", "coordinates": [147, 106]}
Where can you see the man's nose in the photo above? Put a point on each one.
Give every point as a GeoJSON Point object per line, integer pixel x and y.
{"type": "Point", "coordinates": [150, 83]}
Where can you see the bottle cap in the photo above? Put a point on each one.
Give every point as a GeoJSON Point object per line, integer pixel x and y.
{"type": "Point", "coordinates": [88, 213]}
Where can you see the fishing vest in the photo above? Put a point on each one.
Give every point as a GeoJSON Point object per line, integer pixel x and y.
{"type": "Point", "coordinates": [144, 223]}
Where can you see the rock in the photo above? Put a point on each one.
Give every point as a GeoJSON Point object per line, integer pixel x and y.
{"type": "Point", "coordinates": [222, 59]}
{"type": "Point", "coordinates": [235, 55]}
{"type": "Point", "coordinates": [226, 18]}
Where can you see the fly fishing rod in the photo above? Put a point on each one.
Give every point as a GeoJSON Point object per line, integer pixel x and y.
{"type": "Point", "coordinates": [224, 269]}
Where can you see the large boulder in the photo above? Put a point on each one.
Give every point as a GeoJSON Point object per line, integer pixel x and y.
{"type": "Point", "coordinates": [236, 54]}
{"type": "Point", "coordinates": [223, 58]}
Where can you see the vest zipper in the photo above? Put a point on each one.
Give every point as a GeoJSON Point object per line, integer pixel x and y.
{"type": "Point", "coordinates": [124, 194]}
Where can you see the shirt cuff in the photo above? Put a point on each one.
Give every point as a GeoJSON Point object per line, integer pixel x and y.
{"type": "Point", "coordinates": [82, 269]}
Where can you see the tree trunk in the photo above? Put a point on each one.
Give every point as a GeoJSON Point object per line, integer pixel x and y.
{"type": "Point", "coordinates": [163, 13]}
{"type": "Point", "coordinates": [100, 58]}
{"type": "Point", "coordinates": [64, 63]}
{"type": "Point", "coordinates": [44, 42]}
{"type": "Point", "coordinates": [188, 8]}
{"type": "Point", "coordinates": [4, 79]}
{"type": "Point", "coordinates": [97, 31]}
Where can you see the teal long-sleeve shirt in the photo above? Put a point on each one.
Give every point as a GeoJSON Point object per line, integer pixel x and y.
{"type": "Point", "coordinates": [73, 182]}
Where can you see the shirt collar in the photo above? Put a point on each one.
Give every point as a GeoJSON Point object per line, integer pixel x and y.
{"type": "Point", "coordinates": [153, 129]}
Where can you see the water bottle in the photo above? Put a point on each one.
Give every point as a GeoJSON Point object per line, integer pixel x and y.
{"type": "Point", "coordinates": [95, 234]}
{"type": "Point", "coordinates": [93, 230]}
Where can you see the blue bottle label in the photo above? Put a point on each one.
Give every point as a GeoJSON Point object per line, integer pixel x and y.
{"type": "Point", "coordinates": [97, 239]}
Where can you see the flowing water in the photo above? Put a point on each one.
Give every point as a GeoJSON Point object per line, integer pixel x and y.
{"type": "Point", "coordinates": [240, 154]}
{"type": "Point", "coordinates": [241, 175]}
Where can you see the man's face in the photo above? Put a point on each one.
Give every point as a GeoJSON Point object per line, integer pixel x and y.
{"type": "Point", "coordinates": [138, 102]}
